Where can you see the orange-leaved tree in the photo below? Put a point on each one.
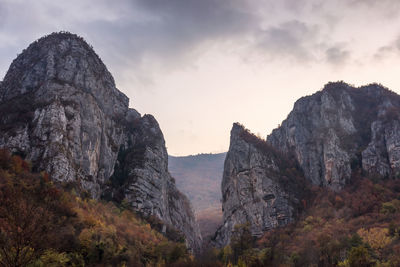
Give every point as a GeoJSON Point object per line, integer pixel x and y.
{"type": "Point", "coordinates": [30, 210]}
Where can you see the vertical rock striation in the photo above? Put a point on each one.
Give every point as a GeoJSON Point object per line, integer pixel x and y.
{"type": "Point", "coordinates": [331, 134]}
{"type": "Point", "coordinates": [60, 109]}
{"type": "Point", "coordinates": [260, 186]}
{"type": "Point", "coordinates": [342, 128]}
{"type": "Point", "coordinates": [142, 179]}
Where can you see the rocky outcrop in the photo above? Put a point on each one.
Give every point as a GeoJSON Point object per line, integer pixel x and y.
{"type": "Point", "coordinates": [382, 156]}
{"type": "Point", "coordinates": [60, 109]}
{"type": "Point", "coordinates": [342, 128]}
{"type": "Point", "coordinates": [332, 135]}
{"type": "Point", "coordinates": [141, 178]}
{"type": "Point", "coordinates": [260, 186]}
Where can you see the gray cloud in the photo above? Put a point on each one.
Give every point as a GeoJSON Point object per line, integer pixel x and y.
{"type": "Point", "coordinates": [293, 38]}
{"type": "Point", "coordinates": [129, 33]}
{"type": "Point", "coordinates": [337, 55]}
{"type": "Point", "coordinates": [386, 8]}
{"type": "Point", "coordinates": [391, 3]}
{"type": "Point", "coordinates": [389, 50]}
{"type": "Point", "coordinates": [171, 29]}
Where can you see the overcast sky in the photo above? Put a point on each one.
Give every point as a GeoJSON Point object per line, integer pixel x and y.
{"type": "Point", "coordinates": [200, 65]}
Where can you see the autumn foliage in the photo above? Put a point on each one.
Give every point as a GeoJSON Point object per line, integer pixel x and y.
{"type": "Point", "coordinates": [358, 226]}
{"type": "Point", "coordinates": [43, 225]}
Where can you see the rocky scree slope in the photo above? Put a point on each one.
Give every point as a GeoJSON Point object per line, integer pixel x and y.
{"type": "Point", "coordinates": [60, 110]}
{"type": "Point", "coordinates": [330, 135]}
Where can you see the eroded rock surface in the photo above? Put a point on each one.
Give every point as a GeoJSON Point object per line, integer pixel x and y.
{"type": "Point", "coordinates": [332, 135]}
{"type": "Point", "coordinates": [60, 109]}
{"type": "Point", "coordinates": [342, 128]}
{"type": "Point", "coordinates": [142, 179]}
{"type": "Point", "coordinates": [260, 186]}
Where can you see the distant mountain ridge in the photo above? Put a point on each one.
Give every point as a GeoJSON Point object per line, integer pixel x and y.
{"type": "Point", "coordinates": [199, 177]}
{"type": "Point", "coordinates": [193, 172]}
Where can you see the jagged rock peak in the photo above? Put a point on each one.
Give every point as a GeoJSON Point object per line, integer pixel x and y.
{"type": "Point", "coordinates": [260, 186]}
{"type": "Point", "coordinates": [60, 109]}
{"type": "Point", "coordinates": [240, 133]}
{"type": "Point", "coordinates": [328, 138]}
{"type": "Point", "coordinates": [237, 128]}
{"type": "Point", "coordinates": [340, 129]}
{"type": "Point", "coordinates": [64, 58]}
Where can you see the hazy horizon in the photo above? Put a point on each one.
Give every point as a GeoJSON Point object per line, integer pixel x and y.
{"type": "Point", "coordinates": [199, 66]}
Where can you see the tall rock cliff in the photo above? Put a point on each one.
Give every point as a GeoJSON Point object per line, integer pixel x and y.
{"type": "Point", "coordinates": [142, 179]}
{"type": "Point", "coordinates": [60, 109]}
{"type": "Point", "coordinates": [331, 135]}
{"type": "Point", "coordinates": [342, 128]}
{"type": "Point", "coordinates": [260, 185]}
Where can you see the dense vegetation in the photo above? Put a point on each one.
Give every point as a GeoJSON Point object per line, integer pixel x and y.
{"type": "Point", "coordinates": [44, 225]}
{"type": "Point", "coordinates": [359, 226]}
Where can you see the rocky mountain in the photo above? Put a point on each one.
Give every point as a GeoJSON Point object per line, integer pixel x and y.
{"type": "Point", "coordinates": [199, 177]}
{"type": "Point", "coordinates": [260, 186]}
{"type": "Point", "coordinates": [60, 110]}
{"type": "Point", "coordinates": [141, 178]}
{"type": "Point", "coordinates": [329, 136]}
{"type": "Point", "coordinates": [341, 128]}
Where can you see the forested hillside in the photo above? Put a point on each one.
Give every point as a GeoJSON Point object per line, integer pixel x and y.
{"type": "Point", "coordinates": [358, 226]}
{"type": "Point", "coordinates": [42, 224]}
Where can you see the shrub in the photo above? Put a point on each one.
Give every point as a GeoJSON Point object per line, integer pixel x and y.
{"type": "Point", "coordinates": [43, 225]}
{"type": "Point", "coordinates": [388, 208]}
{"type": "Point", "coordinates": [360, 257]}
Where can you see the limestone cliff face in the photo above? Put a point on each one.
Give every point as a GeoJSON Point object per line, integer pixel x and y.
{"type": "Point", "coordinates": [142, 179]}
{"type": "Point", "coordinates": [330, 134]}
{"type": "Point", "coordinates": [60, 109]}
{"type": "Point", "coordinates": [341, 128]}
{"type": "Point", "coordinates": [260, 186]}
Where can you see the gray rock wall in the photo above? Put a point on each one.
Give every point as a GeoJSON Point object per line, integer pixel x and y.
{"type": "Point", "coordinates": [342, 126]}
{"type": "Point", "coordinates": [141, 178]}
{"type": "Point", "coordinates": [257, 187]}
{"type": "Point", "coordinates": [332, 134]}
{"type": "Point", "coordinates": [60, 109]}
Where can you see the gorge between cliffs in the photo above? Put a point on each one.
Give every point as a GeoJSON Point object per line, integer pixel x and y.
{"type": "Point", "coordinates": [315, 192]}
